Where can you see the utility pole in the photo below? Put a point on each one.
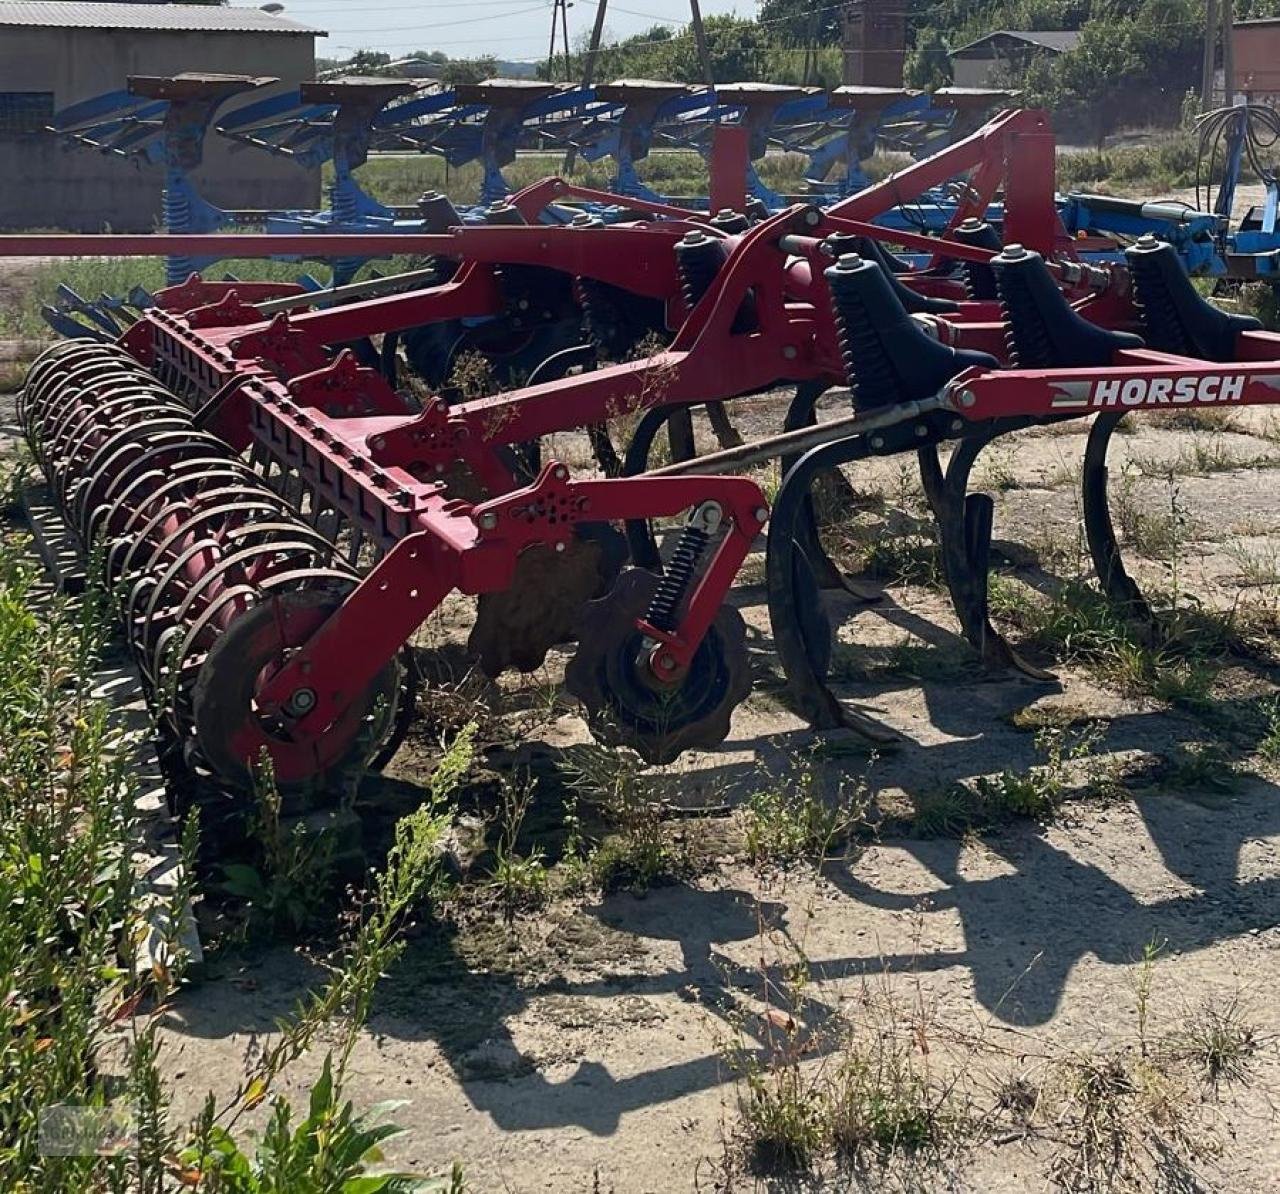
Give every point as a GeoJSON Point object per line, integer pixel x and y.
{"type": "Point", "coordinates": [559, 11]}
{"type": "Point", "coordinates": [588, 72]}
{"type": "Point", "coordinates": [700, 39]}
{"type": "Point", "coordinates": [564, 28]}
{"type": "Point", "coordinates": [1210, 45]}
{"type": "Point", "coordinates": [1228, 53]}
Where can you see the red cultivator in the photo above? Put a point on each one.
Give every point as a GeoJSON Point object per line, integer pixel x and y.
{"type": "Point", "coordinates": [276, 519]}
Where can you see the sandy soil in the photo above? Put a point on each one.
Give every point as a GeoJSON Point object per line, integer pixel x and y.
{"type": "Point", "coordinates": [585, 1047]}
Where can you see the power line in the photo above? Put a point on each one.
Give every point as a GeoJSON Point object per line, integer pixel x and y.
{"type": "Point", "coordinates": [519, 12]}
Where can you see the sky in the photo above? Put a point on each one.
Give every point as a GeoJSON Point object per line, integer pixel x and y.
{"type": "Point", "coordinates": [516, 30]}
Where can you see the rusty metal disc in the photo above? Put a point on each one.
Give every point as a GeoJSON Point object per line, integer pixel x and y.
{"type": "Point", "coordinates": [626, 706]}
{"type": "Point", "coordinates": [517, 626]}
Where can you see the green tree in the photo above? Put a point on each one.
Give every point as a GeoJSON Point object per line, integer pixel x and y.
{"type": "Point", "coordinates": [468, 70]}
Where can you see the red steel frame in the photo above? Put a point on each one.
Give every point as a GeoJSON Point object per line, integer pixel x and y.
{"type": "Point", "coordinates": [344, 429]}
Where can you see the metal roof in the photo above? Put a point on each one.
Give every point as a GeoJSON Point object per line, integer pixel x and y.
{"type": "Point", "coordinates": [178, 18]}
{"type": "Point", "coordinates": [1058, 40]}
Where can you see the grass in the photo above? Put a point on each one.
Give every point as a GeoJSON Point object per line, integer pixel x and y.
{"type": "Point", "coordinates": [1201, 455]}
{"type": "Point", "coordinates": [399, 181]}
{"type": "Point", "coordinates": [861, 1090]}
{"type": "Point", "coordinates": [1218, 1041]}
{"type": "Point", "coordinates": [635, 848]}
{"type": "Point", "coordinates": [20, 316]}
{"type": "Point", "coordinates": [1070, 768]}
{"type": "Point", "coordinates": [1168, 163]}
{"type": "Point", "coordinates": [1177, 661]}
{"type": "Point", "coordinates": [519, 880]}
{"type": "Point", "coordinates": [73, 915]}
{"type": "Point", "coordinates": [789, 818]}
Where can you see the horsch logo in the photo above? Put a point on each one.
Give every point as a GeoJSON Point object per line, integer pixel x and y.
{"type": "Point", "coordinates": [1147, 391]}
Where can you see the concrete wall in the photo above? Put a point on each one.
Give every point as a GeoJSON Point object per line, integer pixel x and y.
{"type": "Point", "coordinates": [44, 184]}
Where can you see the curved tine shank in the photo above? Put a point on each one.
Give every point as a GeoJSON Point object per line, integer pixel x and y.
{"type": "Point", "coordinates": [1100, 533]}
{"type": "Point", "coordinates": [803, 413]}
{"type": "Point", "coordinates": [801, 632]}
{"type": "Point", "coordinates": [964, 531]}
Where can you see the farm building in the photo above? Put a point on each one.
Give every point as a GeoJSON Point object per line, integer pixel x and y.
{"type": "Point", "coordinates": [993, 60]}
{"type": "Point", "coordinates": [57, 52]}
{"type": "Point", "coordinates": [1257, 59]}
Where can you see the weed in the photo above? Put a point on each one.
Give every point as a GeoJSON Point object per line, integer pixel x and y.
{"type": "Point", "coordinates": [998, 471]}
{"type": "Point", "coordinates": [1259, 300]}
{"type": "Point", "coordinates": [1121, 1117]}
{"type": "Point", "coordinates": [520, 881]}
{"type": "Point", "coordinates": [1258, 568]}
{"type": "Point", "coordinates": [638, 852]}
{"type": "Point", "coordinates": [1200, 455]}
{"type": "Point", "coordinates": [1142, 989]}
{"type": "Point", "coordinates": [790, 819]}
{"type": "Point", "coordinates": [1178, 663]}
{"type": "Point", "coordinates": [1038, 791]}
{"type": "Point", "coordinates": [1218, 1042]}
{"type": "Point", "coordinates": [945, 811]}
{"type": "Point", "coordinates": [292, 878]}
{"type": "Point", "coordinates": [1196, 418]}
{"type": "Point", "coordinates": [1269, 746]}
{"type": "Point", "coordinates": [1157, 535]}
{"type": "Point", "coordinates": [881, 1103]}
{"type": "Point", "coordinates": [784, 1114]}
{"type": "Point", "coordinates": [66, 825]}
{"type": "Point", "coordinates": [1201, 767]}
{"type": "Point", "coordinates": [1169, 162]}
{"type": "Point", "coordinates": [73, 912]}
{"type": "Point", "coordinates": [472, 375]}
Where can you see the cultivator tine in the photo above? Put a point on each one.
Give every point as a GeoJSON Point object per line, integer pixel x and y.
{"type": "Point", "coordinates": [802, 633]}
{"type": "Point", "coordinates": [1104, 548]}
{"type": "Point", "coordinates": [95, 312]}
{"type": "Point", "coordinates": [72, 329]}
{"type": "Point", "coordinates": [825, 571]}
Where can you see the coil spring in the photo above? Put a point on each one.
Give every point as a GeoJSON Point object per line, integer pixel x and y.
{"type": "Point", "coordinates": [1026, 334]}
{"type": "Point", "coordinates": [176, 209]}
{"type": "Point", "coordinates": [871, 375]}
{"type": "Point", "coordinates": [698, 261]}
{"type": "Point", "coordinates": [663, 613]}
{"type": "Point", "coordinates": [1162, 326]}
{"type": "Point", "coordinates": [979, 278]}
{"type": "Point", "coordinates": [599, 315]}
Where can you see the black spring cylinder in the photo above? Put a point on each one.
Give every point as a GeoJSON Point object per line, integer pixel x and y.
{"type": "Point", "coordinates": [889, 357]}
{"type": "Point", "coordinates": [1175, 316]}
{"type": "Point", "coordinates": [852, 281]}
{"type": "Point", "coordinates": [1026, 331]}
{"type": "Point", "coordinates": [915, 303]}
{"type": "Point", "coordinates": [615, 319]}
{"type": "Point", "coordinates": [730, 221]}
{"type": "Point", "coordinates": [502, 213]}
{"type": "Point", "coordinates": [663, 613]}
{"type": "Point", "coordinates": [699, 258]}
{"type": "Point", "coordinates": [979, 281]}
{"type": "Point", "coordinates": [1044, 330]}
{"type": "Point", "coordinates": [438, 214]}
{"type": "Point", "coordinates": [1162, 326]}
